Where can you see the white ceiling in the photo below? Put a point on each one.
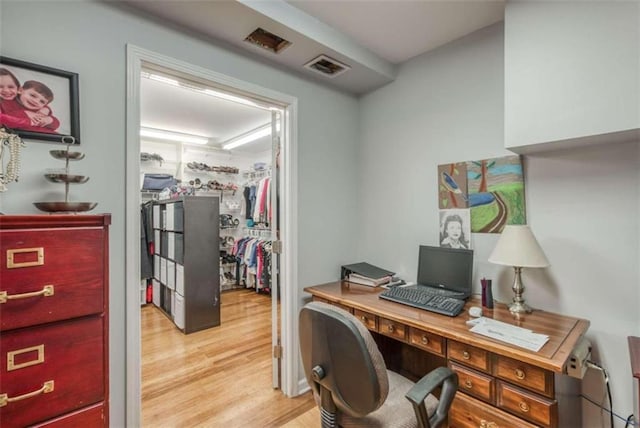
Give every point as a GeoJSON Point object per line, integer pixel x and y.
{"type": "Point", "coordinates": [398, 30]}
{"type": "Point", "coordinates": [371, 36]}
{"type": "Point", "coordinates": [179, 109]}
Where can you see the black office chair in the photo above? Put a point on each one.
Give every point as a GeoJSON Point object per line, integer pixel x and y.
{"type": "Point", "coordinates": [351, 383]}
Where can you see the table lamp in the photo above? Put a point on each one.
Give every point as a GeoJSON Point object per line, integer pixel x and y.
{"type": "Point", "coordinates": [518, 247]}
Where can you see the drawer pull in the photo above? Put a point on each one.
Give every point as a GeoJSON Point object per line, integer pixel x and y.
{"type": "Point", "coordinates": [520, 374]}
{"type": "Point", "coordinates": [47, 290]}
{"type": "Point", "coordinates": [391, 328]}
{"type": "Point", "coordinates": [11, 357]}
{"type": "Point", "coordinates": [466, 355]}
{"type": "Point", "coordinates": [524, 406]}
{"type": "Point", "coordinates": [363, 319]}
{"type": "Point", "coordinates": [424, 339]}
{"type": "Point", "coordinates": [468, 384]}
{"type": "Point", "coordinates": [46, 388]}
{"type": "Point", "coordinates": [11, 263]}
{"type": "Point", "coordinates": [486, 424]}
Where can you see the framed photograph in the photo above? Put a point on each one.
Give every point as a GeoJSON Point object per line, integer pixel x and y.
{"type": "Point", "coordinates": [455, 228]}
{"type": "Point", "coordinates": [38, 102]}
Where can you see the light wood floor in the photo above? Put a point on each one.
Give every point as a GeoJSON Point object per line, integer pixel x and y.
{"type": "Point", "coordinates": [219, 377]}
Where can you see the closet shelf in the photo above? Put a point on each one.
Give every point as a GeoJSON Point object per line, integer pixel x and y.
{"type": "Point", "coordinates": [257, 173]}
{"type": "Point", "coordinates": [218, 191]}
{"type": "Point", "coordinates": [258, 233]}
{"type": "Point", "coordinates": [210, 173]}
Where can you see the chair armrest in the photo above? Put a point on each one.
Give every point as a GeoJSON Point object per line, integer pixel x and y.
{"type": "Point", "coordinates": [442, 376]}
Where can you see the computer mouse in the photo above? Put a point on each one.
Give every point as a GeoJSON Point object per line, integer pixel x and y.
{"type": "Point", "coordinates": [475, 311]}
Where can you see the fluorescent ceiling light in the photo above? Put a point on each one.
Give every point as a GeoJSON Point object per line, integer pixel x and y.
{"type": "Point", "coordinates": [254, 135]}
{"type": "Point", "coordinates": [163, 79]}
{"type": "Point", "coordinates": [230, 97]}
{"type": "Point", "coordinates": [179, 137]}
{"type": "Point", "coordinates": [207, 91]}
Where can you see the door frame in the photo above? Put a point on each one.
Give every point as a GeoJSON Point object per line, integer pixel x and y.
{"type": "Point", "coordinates": [136, 56]}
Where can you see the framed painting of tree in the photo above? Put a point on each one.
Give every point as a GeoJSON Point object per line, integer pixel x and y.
{"type": "Point", "coordinates": [495, 193]}
{"type": "Point", "coordinates": [452, 185]}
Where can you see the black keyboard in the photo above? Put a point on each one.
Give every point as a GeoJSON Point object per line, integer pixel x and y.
{"type": "Point", "coordinates": [423, 299]}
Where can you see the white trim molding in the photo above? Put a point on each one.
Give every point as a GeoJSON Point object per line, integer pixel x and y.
{"type": "Point", "coordinates": [138, 59]}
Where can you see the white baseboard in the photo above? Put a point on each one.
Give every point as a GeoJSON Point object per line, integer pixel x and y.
{"type": "Point", "coordinates": [303, 386]}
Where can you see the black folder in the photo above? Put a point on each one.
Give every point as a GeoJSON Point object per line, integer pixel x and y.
{"type": "Point", "coordinates": [364, 269]}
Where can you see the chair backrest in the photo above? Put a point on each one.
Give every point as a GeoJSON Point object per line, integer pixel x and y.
{"type": "Point", "coordinates": [353, 368]}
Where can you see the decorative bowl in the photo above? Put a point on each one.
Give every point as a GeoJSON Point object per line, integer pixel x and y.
{"type": "Point", "coordinates": [66, 178]}
{"type": "Point", "coordinates": [57, 207]}
{"type": "Point", "coordinates": [63, 154]}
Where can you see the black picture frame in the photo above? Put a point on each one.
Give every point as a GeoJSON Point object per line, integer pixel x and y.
{"type": "Point", "coordinates": [62, 99]}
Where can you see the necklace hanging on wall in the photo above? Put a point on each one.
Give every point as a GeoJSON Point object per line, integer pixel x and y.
{"type": "Point", "coordinates": [11, 144]}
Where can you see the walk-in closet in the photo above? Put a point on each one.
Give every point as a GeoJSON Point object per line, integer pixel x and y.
{"type": "Point", "coordinates": [209, 283]}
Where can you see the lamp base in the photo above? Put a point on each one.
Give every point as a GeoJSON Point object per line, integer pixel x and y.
{"type": "Point", "coordinates": [520, 308]}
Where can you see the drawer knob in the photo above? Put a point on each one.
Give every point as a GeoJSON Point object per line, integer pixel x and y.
{"type": "Point", "coordinates": [363, 318]}
{"type": "Point", "coordinates": [487, 424]}
{"type": "Point", "coordinates": [520, 374]}
{"type": "Point", "coordinates": [524, 406]}
{"type": "Point", "coordinates": [391, 328]}
{"type": "Point", "coordinates": [424, 339]}
{"type": "Point", "coordinates": [468, 384]}
{"type": "Point", "coordinates": [46, 388]}
{"type": "Point", "coordinates": [47, 290]}
{"type": "Point", "coordinates": [466, 355]}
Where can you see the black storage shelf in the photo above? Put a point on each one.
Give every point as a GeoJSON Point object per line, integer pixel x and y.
{"type": "Point", "coordinates": [189, 244]}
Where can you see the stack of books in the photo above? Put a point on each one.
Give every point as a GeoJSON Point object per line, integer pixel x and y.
{"type": "Point", "coordinates": [366, 274]}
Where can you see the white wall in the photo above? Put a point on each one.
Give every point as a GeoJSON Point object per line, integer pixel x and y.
{"type": "Point", "coordinates": [572, 67]}
{"type": "Point", "coordinates": [90, 38]}
{"type": "Point", "coordinates": [583, 205]}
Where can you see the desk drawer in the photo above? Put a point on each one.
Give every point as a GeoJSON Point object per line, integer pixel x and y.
{"type": "Point", "coordinates": [341, 306]}
{"type": "Point", "coordinates": [50, 275]}
{"type": "Point", "coordinates": [427, 341]}
{"type": "Point", "coordinates": [67, 357]}
{"type": "Point", "coordinates": [329, 302]}
{"type": "Point", "coordinates": [527, 405]}
{"type": "Point", "coordinates": [367, 318]}
{"type": "Point", "coordinates": [474, 383]}
{"type": "Point", "coordinates": [526, 375]}
{"type": "Point", "coordinates": [393, 329]}
{"type": "Point", "coordinates": [467, 412]}
{"type": "Point", "coordinates": [469, 355]}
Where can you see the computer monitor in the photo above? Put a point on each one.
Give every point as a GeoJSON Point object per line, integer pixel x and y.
{"type": "Point", "coordinates": [448, 268]}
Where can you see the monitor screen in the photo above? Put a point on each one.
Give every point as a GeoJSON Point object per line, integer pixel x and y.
{"type": "Point", "coordinates": [446, 267]}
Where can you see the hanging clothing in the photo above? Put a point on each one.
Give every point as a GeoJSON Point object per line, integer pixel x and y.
{"type": "Point", "coordinates": [254, 260]}
{"type": "Point", "coordinates": [262, 207]}
{"type": "Point", "coordinates": [146, 240]}
{"type": "Point", "coordinates": [247, 202]}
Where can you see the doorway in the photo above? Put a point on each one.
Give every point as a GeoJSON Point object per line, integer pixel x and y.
{"type": "Point", "coordinates": [139, 60]}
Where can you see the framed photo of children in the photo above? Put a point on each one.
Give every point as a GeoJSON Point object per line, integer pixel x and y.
{"type": "Point", "coordinates": [39, 102]}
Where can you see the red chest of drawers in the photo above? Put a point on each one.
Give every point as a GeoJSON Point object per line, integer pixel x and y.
{"type": "Point", "coordinates": [54, 343]}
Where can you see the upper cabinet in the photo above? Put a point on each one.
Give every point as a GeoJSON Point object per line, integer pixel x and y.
{"type": "Point", "coordinates": [572, 74]}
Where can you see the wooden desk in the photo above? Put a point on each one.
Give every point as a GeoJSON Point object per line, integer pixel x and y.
{"type": "Point", "coordinates": [500, 385]}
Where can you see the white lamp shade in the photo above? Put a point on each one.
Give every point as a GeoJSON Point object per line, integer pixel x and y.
{"type": "Point", "coordinates": [518, 247]}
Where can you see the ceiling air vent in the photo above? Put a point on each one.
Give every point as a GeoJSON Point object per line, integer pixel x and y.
{"type": "Point", "coordinates": [327, 66]}
{"type": "Point", "coordinates": [267, 40]}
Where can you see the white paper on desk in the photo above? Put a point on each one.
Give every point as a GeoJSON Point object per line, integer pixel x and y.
{"type": "Point", "coordinates": [513, 335]}
{"type": "Point", "coordinates": [499, 325]}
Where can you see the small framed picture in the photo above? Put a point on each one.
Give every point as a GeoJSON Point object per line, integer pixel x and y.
{"type": "Point", "coordinates": [455, 228]}
{"type": "Point", "coordinates": [39, 102]}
